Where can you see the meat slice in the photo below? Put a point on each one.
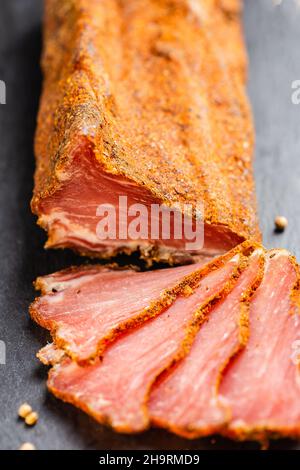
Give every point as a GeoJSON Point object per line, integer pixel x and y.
{"type": "Point", "coordinates": [185, 398]}
{"type": "Point", "coordinates": [85, 308]}
{"type": "Point", "coordinates": [131, 108]}
{"type": "Point", "coordinates": [262, 386]}
{"type": "Point", "coordinates": [115, 389]}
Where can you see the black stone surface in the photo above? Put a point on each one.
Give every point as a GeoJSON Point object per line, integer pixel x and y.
{"type": "Point", "coordinates": [273, 41]}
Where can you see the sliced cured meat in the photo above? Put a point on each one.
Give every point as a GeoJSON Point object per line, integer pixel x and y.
{"type": "Point", "coordinates": [262, 386]}
{"type": "Point", "coordinates": [85, 308]}
{"type": "Point", "coordinates": [115, 390]}
{"type": "Point", "coordinates": [185, 398]}
{"type": "Point", "coordinates": [194, 369]}
{"type": "Point", "coordinates": [124, 113]}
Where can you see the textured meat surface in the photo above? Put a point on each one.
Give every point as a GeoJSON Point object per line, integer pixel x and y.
{"type": "Point", "coordinates": [50, 354]}
{"type": "Point", "coordinates": [144, 98]}
{"type": "Point", "coordinates": [185, 399]}
{"type": "Point", "coordinates": [115, 390]}
{"type": "Point", "coordinates": [262, 386]}
{"type": "Point", "coordinates": [84, 308]}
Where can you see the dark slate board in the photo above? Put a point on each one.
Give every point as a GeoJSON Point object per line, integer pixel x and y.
{"type": "Point", "coordinates": [273, 42]}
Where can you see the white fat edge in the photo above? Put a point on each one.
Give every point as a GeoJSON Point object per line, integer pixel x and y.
{"type": "Point", "coordinates": [278, 252]}
{"type": "Point", "coordinates": [59, 286]}
{"type": "Point", "coordinates": [56, 297]}
{"type": "Point", "coordinates": [238, 425]}
{"type": "Point", "coordinates": [211, 252]}
{"type": "Point", "coordinates": [63, 229]}
{"type": "Point", "coordinates": [63, 174]}
{"type": "Point", "coordinates": [257, 251]}
{"type": "Point", "coordinates": [51, 354]}
{"type": "Point", "coordinates": [236, 258]}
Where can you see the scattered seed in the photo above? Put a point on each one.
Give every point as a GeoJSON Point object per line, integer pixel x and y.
{"type": "Point", "coordinates": [280, 223]}
{"type": "Point", "coordinates": [32, 418]}
{"type": "Point", "coordinates": [27, 446]}
{"type": "Point", "coordinates": [24, 410]}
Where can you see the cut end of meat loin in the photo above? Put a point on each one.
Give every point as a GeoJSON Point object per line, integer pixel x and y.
{"type": "Point", "coordinates": [115, 215]}
{"type": "Point", "coordinates": [124, 115]}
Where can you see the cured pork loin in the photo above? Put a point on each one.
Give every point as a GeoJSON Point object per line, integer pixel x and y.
{"type": "Point", "coordinates": [144, 130]}
{"type": "Point", "coordinates": [144, 100]}
{"type": "Point", "coordinates": [222, 357]}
